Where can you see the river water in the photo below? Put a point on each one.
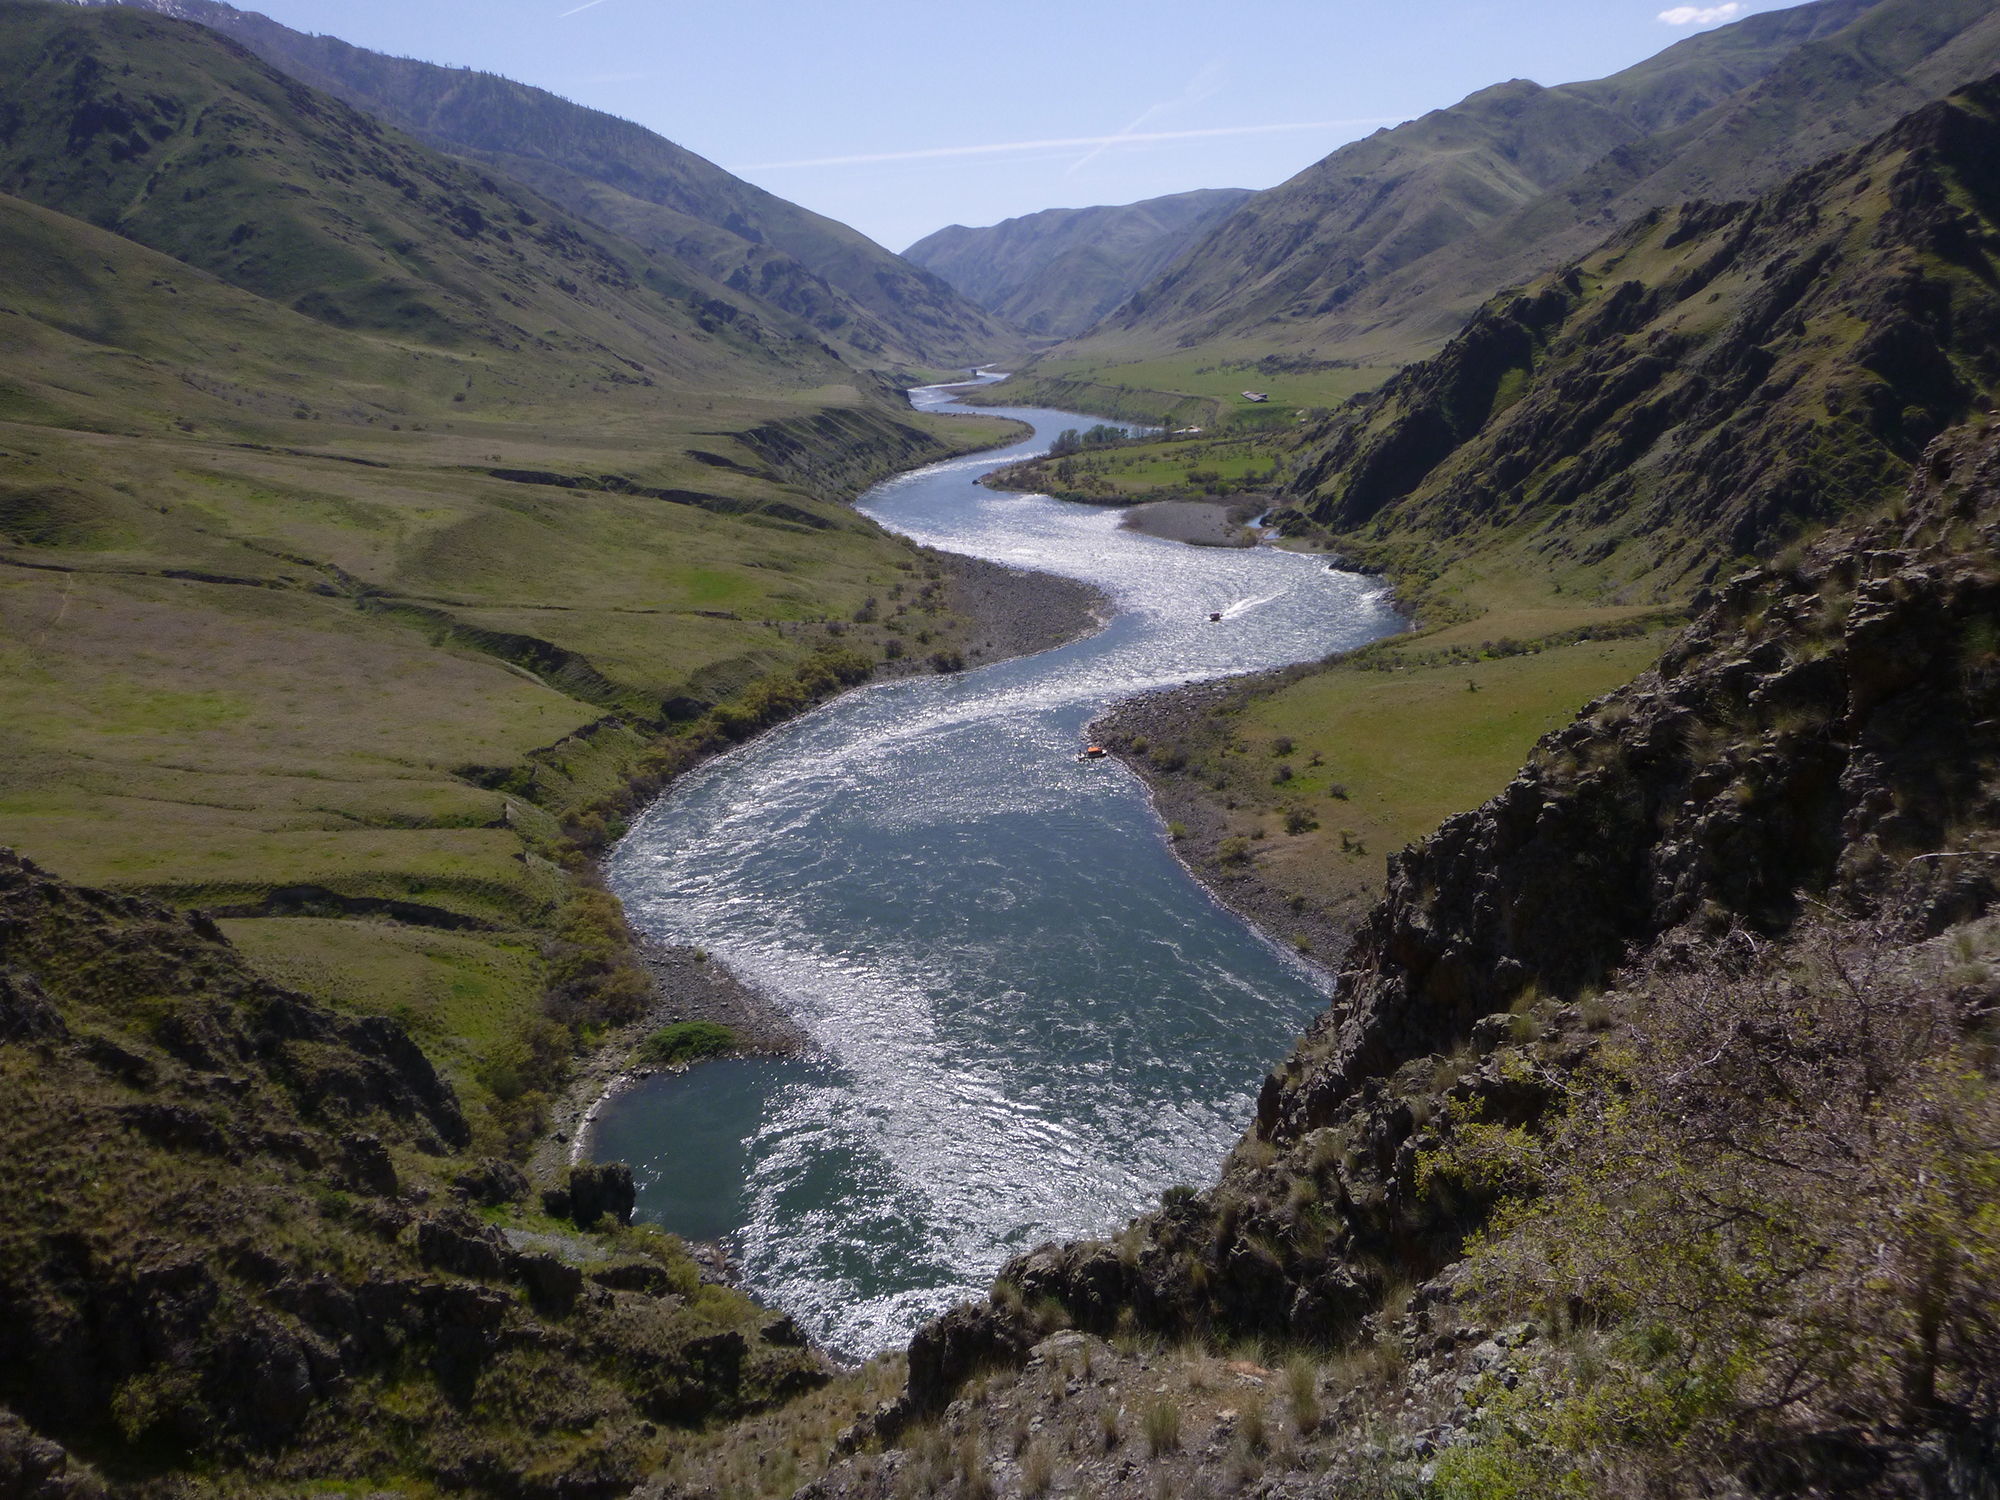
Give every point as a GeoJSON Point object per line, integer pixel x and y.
{"type": "Point", "coordinates": [1030, 1018]}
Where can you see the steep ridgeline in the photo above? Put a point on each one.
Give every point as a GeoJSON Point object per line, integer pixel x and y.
{"type": "Point", "coordinates": [1711, 381]}
{"type": "Point", "coordinates": [242, 1251]}
{"type": "Point", "coordinates": [876, 307]}
{"type": "Point", "coordinates": [162, 132]}
{"type": "Point", "coordinates": [1829, 95]}
{"type": "Point", "coordinates": [1386, 247]}
{"type": "Point", "coordinates": [1702, 1006]}
{"type": "Point", "coordinates": [1295, 255]}
{"type": "Point", "coordinates": [1058, 272]}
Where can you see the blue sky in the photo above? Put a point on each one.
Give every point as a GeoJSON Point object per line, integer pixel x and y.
{"type": "Point", "coordinates": [900, 117]}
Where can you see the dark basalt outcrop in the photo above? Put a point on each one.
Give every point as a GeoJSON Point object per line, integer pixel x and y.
{"type": "Point", "coordinates": [229, 1240]}
{"type": "Point", "coordinates": [1825, 736]}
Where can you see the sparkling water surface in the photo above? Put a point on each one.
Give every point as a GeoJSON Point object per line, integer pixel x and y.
{"type": "Point", "coordinates": [1030, 1019]}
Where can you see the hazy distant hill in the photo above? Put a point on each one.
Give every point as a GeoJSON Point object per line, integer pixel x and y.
{"type": "Point", "coordinates": [1059, 271]}
{"type": "Point", "coordinates": [1382, 251]}
{"type": "Point", "coordinates": [878, 307]}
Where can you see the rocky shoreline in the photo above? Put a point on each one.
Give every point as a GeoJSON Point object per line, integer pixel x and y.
{"type": "Point", "coordinates": [1020, 613]}
{"type": "Point", "coordinates": [1200, 824]}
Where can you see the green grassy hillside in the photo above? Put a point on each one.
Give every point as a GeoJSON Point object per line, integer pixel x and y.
{"type": "Point", "coordinates": [353, 624]}
{"type": "Point", "coordinates": [247, 1253]}
{"type": "Point", "coordinates": [872, 305]}
{"type": "Point", "coordinates": [1380, 253]}
{"type": "Point", "coordinates": [1704, 387]}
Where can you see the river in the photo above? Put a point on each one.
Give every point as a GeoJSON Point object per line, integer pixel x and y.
{"type": "Point", "coordinates": [1030, 1019]}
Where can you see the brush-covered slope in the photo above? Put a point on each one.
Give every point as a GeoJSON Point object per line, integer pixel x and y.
{"type": "Point", "coordinates": [245, 1254]}
{"type": "Point", "coordinates": [1059, 271]}
{"type": "Point", "coordinates": [1379, 254]}
{"type": "Point", "coordinates": [1296, 254]}
{"type": "Point", "coordinates": [875, 306]}
{"type": "Point", "coordinates": [347, 622]}
{"type": "Point", "coordinates": [1648, 1145]}
{"type": "Point", "coordinates": [1711, 381]}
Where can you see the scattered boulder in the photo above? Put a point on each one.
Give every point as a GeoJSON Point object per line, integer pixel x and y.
{"type": "Point", "coordinates": [365, 1166]}
{"type": "Point", "coordinates": [601, 1189]}
{"type": "Point", "coordinates": [553, 1284]}
{"type": "Point", "coordinates": [635, 1276]}
{"type": "Point", "coordinates": [454, 1239]}
{"type": "Point", "coordinates": [491, 1183]}
{"type": "Point", "coordinates": [27, 1014]}
{"type": "Point", "coordinates": [34, 1468]}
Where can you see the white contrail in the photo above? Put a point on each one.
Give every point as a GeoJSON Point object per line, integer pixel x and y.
{"type": "Point", "coordinates": [1204, 85]}
{"type": "Point", "coordinates": [937, 152]}
{"type": "Point", "coordinates": [579, 10]}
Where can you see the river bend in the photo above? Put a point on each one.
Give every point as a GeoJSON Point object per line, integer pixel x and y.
{"type": "Point", "coordinates": [1030, 1018]}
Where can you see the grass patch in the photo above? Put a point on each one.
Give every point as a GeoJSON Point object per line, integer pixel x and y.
{"type": "Point", "coordinates": [1381, 750]}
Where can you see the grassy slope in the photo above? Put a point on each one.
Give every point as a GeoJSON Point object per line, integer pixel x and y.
{"type": "Point", "coordinates": [876, 307]}
{"type": "Point", "coordinates": [1413, 229]}
{"type": "Point", "coordinates": [1703, 387]}
{"type": "Point", "coordinates": [212, 1278]}
{"type": "Point", "coordinates": [1689, 381]}
{"type": "Point", "coordinates": [368, 633]}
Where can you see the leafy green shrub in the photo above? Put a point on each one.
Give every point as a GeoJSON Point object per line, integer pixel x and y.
{"type": "Point", "coordinates": [686, 1042]}
{"type": "Point", "coordinates": [1773, 1207]}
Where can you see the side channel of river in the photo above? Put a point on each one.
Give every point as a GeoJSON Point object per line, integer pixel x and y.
{"type": "Point", "coordinates": [1029, 1018]}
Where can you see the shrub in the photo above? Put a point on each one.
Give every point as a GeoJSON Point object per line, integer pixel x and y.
{"type": "Point", "coordinates": [1162, 1426]}
{"type": "Point", "coordinates": [1776, 1202]}
{"type": "Point", "coordinates": [1302, 1391]}
{"type": "Point", "coordinates": [686, 1042]}
{"type": "Point", "coordinates": [1038, 1470]}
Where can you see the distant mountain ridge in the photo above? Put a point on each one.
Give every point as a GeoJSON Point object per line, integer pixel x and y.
{"type": "Point", "coordinates": [878, 308]}
{"type": "Point", "coordinates": [1059, 271]}
{"type": "Point", "coordinates": [1383, 250]}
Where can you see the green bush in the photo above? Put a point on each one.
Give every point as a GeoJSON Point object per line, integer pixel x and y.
{"type": "Point", "coordinates": [1771, 1209]}
{"type": "Point", "coordinates": [686, 1042]}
